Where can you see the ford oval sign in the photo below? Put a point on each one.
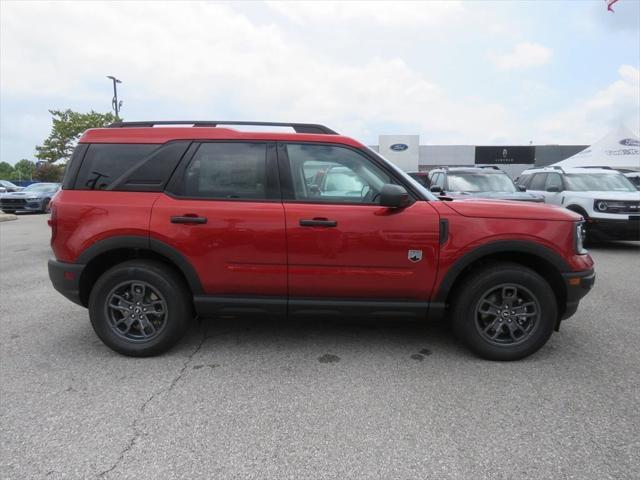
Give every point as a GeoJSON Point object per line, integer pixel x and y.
{"type": "Point", "coordinates": [399, 147]}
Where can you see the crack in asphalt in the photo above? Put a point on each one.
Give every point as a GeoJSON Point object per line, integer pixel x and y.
{"type": "Point", "coordinates": [134, 425]}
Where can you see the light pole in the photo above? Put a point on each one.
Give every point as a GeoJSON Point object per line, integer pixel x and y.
{"type": "Point", "coordinates": [114, 102]}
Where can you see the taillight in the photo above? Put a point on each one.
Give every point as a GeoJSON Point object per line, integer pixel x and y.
{"type": "Point", "coordinates": [53, 222]}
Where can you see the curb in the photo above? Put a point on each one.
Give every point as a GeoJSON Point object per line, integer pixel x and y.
{"type": "Point", "coordinates": [5, 217]}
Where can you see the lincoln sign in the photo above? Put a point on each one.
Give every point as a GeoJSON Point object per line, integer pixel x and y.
{"type": "Point", "coordinates": [505, 155]}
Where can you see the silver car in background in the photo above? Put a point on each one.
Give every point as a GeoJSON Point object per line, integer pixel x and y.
{"type": "Point", "coordinates": [34, 198]}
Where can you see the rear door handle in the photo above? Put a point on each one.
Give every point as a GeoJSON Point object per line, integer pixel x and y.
{"type": "Point", "coordinates": [318, 222]}
{"type": "Point", "coordinates": [188, 219]}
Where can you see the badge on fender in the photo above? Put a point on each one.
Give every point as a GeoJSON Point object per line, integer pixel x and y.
{"type": "Point", "coordinates": [415, 255]}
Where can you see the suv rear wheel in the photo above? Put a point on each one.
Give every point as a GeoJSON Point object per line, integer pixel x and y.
{"type": "Point", "coordinates": [504, 312]}
{"type": "Point", "coordinates": [140, 308]}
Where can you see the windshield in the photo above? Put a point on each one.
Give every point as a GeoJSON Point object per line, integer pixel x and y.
{"type": "Point", "coordinates": [480, 182]}
{"type": "Point", "coordinates": [41, 187]}
{"type": "Point", "coordinates": [417, 185]}
{"type": "Point", "coordinates": [602, 182]}
{"type": "Point", "coordinates": [6, 183]}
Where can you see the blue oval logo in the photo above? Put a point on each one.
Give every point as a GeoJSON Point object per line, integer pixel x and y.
{"type": "Point", "coordinates": [399, 147]}
{"type": "Point", "coordinates": [627, 142]}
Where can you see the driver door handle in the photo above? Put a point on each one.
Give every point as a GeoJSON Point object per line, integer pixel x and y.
{"type": "Point", "coordinates": [319, 222]}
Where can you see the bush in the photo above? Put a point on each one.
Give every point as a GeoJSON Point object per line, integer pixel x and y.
{"type": "Point", "coordinates": [47, 172]}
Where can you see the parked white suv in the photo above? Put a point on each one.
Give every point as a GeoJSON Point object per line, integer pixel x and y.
{"type": "Point", "coordinates": [607, 200]}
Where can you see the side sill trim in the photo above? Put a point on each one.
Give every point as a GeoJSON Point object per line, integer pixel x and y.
{"type": "Point", "coordinates": [211, 305]}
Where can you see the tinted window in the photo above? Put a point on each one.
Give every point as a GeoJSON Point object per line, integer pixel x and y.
{"type": "Point", "coordinates": [537, 182]}
{"type": "Point", "coordinates": [104, 163]}
{"type": "Point", "coordinates": [553, 180]}
{"type": "Point", "coordinates": [334, 174]}
{"type": "Point", "coordinates": [227, 170]}
{"type": "Point", "coordinates": [152, 173]}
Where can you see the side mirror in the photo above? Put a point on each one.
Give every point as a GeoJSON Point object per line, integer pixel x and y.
{"type": "Point", "coordinates": [394, 196]}
{"type": "Point", "coordinates": [522, 188]}
{"type": "Point", "coordinates": [436, 189]}
{"type": "Point", "coordinates": [553, 189]}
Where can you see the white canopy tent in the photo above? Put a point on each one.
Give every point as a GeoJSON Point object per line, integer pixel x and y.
{"type": "Point", "coordinates": [619, 149]}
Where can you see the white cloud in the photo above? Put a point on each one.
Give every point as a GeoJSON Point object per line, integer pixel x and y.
{"type": "Point", "coordinates": [524, 55]}
{"type": "Point", "coordinates": [591, 118]}
{"type": "Point", "coordinates": [397, 13]}
{"type": "Point", "coordinates": [209, 57]}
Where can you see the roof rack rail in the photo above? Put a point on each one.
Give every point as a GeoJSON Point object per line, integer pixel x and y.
{"type": "Point", "coordinates": [297, 127]}
{"type": "Point", "coordinates": [494, 167]}
{"type": "Point", "coordinates": [605, 167]}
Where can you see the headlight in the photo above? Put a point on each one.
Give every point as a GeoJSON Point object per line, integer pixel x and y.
{"type": "Point", "coordinates": [580, 234]}
{"type": "Point", "coordinates": [611, 206]}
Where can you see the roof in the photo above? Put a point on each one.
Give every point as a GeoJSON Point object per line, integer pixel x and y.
{"type": "Point", "coordinates": [570, 170]}
{"type": "Point", "coordinates": [487, 170]}
{"type": "Point", "coordinates": [150, 134]}
{"type": "Point", "coordinates": [619, 149]}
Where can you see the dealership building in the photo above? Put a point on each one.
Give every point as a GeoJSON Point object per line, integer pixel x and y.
{"type": "Point", "coordinates": [406, 152]}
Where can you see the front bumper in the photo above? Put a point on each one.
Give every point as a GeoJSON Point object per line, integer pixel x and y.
{"type": "Point", "coordinates": [65, 278]}
{"type": "Point", "coordinates": [578, 284]}
{"type": "Point", "coordinates": [22, 205]}
{"type": "Point", "coordinates": [608, 229]}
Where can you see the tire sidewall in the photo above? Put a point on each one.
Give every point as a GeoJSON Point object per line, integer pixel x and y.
{"type": "Point", "coordinates": [472, 292]}
{"type": "Point", "coordinates": [167, 284]}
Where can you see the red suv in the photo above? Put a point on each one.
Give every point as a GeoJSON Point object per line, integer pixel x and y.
{"type": "Point", "coordinates": [154, 226]}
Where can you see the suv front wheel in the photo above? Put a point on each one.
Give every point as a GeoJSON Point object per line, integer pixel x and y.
{"type": "Point", "coordinates": [140, 308]}
{"type": "Point", "coordinates": [504, 311]}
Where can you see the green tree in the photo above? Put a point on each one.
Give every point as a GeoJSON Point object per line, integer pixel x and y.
{"type": "Point", "coordinates": [6, 170]}
{"type": "Point", "coordinates": [23, 170]}
{"type": "Point", "coordinates": [48, 172]}
{"type": "Point", "coordinates": [65, 131]}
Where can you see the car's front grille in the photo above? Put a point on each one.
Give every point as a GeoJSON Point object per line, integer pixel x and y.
{"type": "Point", "coordinates": [12, 201]}
{"type": "Point", "coordinates": [630, 207]}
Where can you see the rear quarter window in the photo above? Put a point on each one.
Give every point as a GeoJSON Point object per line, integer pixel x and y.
{"type": "Point", "coordinates": [104, 163]}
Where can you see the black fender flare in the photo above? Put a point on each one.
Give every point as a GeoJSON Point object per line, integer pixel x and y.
{"type": "Point", "coordinates": [145, 243]}
{"type": "Point", "coordinates": [504, 246]}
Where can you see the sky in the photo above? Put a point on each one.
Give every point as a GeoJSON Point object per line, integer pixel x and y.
{"type": "Point", "coordinates": [469, 72]}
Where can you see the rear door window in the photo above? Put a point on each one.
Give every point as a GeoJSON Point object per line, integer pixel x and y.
{"type": "Point", "coordinates": [227, 171]}
{"type": "Point", "coordinates": [553, 180]}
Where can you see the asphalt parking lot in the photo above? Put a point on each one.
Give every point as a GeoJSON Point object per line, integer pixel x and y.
{"type": "Point", "coordinates": [313, 400]}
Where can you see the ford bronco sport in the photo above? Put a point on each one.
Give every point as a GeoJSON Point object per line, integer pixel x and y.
{"type": "Point", "coordinates": [606, 199]}
{"type": "Point", "coordinates": [154, 226]}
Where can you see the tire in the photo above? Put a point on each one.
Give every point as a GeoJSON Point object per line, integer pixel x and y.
{"type": "Point", "coordinates": [475, 320]}
{"type": "Point", "coordinates": [116, 296]}
{"type": "Point", "coordinates": [45, 206]}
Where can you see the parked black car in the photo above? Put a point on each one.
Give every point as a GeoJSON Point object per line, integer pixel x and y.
{"type": "Point", "coordinates": [482, 182]}
{"type": "Point", "coordinates": [34, 198]}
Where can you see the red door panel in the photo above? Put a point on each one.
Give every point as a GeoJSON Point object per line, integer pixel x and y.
{"type": "Point", "coordinates": [365, 255]}
{"type": "Point", "coordinates": [240, 250]}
